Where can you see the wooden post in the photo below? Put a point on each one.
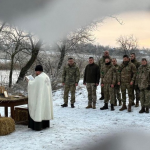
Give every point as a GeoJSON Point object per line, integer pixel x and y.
{"type": "Point", "coordinates": [6, 111]}
{"type": "Point", "coordinates": [12, 112]}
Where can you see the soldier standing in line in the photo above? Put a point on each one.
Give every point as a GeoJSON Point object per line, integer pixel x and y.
{"type": "Point", "coordinates": [70, 79]}
{"type": "Point", "coordinates": [108, 81]}
{"type": "Point", "coordinates": [91, 80]}
{"type": "Point", "coordinates": [135, 88]}
{"type": "Point", "coordinates": [117, 87]}
{"type": "Point", "coordinates": [143, 82]}
{"type": "Point", "coordinates": [127, 75]}
{"type": "Point", "coordinates": [100, 63]}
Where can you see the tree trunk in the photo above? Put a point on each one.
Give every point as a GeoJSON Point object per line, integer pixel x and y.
{"type": "Point", "coordinates": [62, 56]}
{"type": "Point", "coordinates": [35, 52]}
{"type": "Point", "coordinates": [11, 71]}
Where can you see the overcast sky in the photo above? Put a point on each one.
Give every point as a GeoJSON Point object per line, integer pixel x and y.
{"type": "Point", "coordinates": [54, 19]}
{"type": "Point", "coordinates": [135, 23]}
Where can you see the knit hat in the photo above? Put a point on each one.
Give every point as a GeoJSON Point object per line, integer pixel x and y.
{"type": "Point", "coordinates": [39, 68]}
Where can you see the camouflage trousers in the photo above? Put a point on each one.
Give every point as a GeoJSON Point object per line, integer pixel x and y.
{"type": "Point", "coordinates": [72, 89]}
{"type": "Point", "coordinates": [117, 93]}
{"type": "Point", "coordinates": [102, 90]}
{"type": "Point", "coordinates": [128, 87]}
{"type": "Point", "coordinates": [137, 93]}
{"type": "Point", "coordinates": [109, 94]}
{"type": "Point", "coordinates": [91, 88]}
{"type": "Point", "coordinates": [145, 97]}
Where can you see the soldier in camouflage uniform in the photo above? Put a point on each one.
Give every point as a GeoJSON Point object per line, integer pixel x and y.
{"type": "Point", "coordinates": [117, 87]}
{"type": "Point", "coordinates": [91, 80]}
{"type": "Point", "coordinates": [70, 79]}
{"type": "Point", "coordinates": [135, 88]}
{"type": "Point", "coordinates": [143, 82]}
{"type": "Point", "coordinates": [108, 81]}
{"type": "Point", "coordinates": [100, 63]}
{"type": "Point", "coordinates": [127, 75]}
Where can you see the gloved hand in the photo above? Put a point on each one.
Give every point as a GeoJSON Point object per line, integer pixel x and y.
{"type": "Point", "coordinates": [148, 88]}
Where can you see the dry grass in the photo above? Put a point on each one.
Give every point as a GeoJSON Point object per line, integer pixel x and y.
{"type": "Point", "coordinates": [7, 125]}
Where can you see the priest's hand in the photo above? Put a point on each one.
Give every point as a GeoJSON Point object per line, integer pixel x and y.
{"type": "Point", "coordinates": [97, 84]}
{"type": "Point", "coordinates": [63, 84]}
{"type": "Point", "coordinates": [118, 83]}
{"type": "Point", "coordinates": [102, 85]}
{"type": "Point", "coordinates": [76, 84]}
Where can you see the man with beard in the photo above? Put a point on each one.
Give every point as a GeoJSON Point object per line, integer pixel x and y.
{"type": "Point", "coordinates": [143, 82]}
{"type": "Point", "coordinates": [127, 75]}
{"type": "Point", "coordinates": [108, 81]}
{"type": "Point", "coordinates": [135, 88]}
{"type": "Point", "coordinates": [117, 87]}
{"type": "Point", "coordinates": [100, 63]}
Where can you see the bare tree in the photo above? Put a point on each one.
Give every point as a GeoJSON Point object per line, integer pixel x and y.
{"type": "Point", "coordinates": [35, 48]}
{"type": "Point", "coordinates": [127, 43]}
{"type": "Point", "coordinates": [20, 48]}
{"type": "Point", "coordinates": [64, 48]}
{"type": "Point", "coordinates": [13, 41]}
{"type": "Point", "coordinates": [70, 44]}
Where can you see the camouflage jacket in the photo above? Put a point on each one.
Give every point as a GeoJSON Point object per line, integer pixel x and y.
{"type": "Point", "coordinates": [136, 63]}
{"type": "Point", "coordinates": [143, 77]}
{"type": "Point", "coordinates": [108, 74]}
{"type": "Point", "coordinates": [127, 73]}
{"type": "Point", "coordinates": [101, 62]}
{"type": "Point", "coordinates": [70, 75]}
{"type": "Point", "coordinates": [117, 72]}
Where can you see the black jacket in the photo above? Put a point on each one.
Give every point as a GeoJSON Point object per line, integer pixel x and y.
{"type": "Point", "coordinates": [91, 74]}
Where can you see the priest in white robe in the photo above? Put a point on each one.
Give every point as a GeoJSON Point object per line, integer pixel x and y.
{"type": "Point", "coordinates": [40, 102]}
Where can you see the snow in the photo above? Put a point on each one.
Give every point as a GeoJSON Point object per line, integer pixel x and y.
{"type": "Point", "coordinates": [75, 128]}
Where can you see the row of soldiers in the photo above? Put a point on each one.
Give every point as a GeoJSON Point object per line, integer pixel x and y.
{"type": "Point", "coordinates": [131, 76]}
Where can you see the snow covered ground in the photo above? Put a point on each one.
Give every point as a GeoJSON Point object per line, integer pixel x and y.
{"type": "Point", "coordinates": [73, 129]}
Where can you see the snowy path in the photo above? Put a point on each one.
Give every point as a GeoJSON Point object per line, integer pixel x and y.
{"type": "Point", "coordinates": [75, 128]}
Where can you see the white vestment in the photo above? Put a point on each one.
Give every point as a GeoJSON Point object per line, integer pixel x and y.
{"type": "Point", "coordinates": [40, 98]}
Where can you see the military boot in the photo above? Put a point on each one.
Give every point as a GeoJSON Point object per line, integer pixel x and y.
{"type": "Point", "coordinates": [112, 107]}
{"type": "Point", "coordinates": [120, 103]}
{"type": "Point", "coordinates": [142, 110]}
{"type": "Point", "coordinates": [64, 105]}
{"type": "Point", "coordinates": [147, 110]}
{"type": "Point", "coordinates": [102, 97]}
{"type": "Point", "coordinates": [123, 106]}
{"type": "Point", "coordinates": [94, 106]}
{"type": "Point", "coordinates": [129, 107]}
{"type": "Point", "coordinates": [89, 106]}
{"type": "Point", "coordinates": [137, 104]}
{"type": "Point", "coordinates": [104, 107]}
{"type": "Point", "coordinates": [115, 103]}
{"type": "Point", "coordinates": [72, 106]}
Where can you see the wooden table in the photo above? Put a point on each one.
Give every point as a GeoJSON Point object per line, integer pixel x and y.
{"type": "Point", "coordinates": [12, 102]}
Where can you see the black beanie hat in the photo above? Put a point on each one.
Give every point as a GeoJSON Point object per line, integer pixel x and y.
{"type": "Point", "coordinates": [39, 68]}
